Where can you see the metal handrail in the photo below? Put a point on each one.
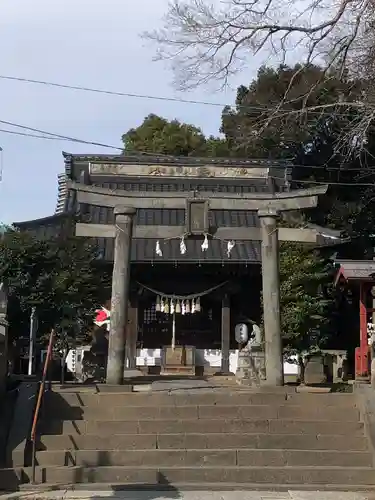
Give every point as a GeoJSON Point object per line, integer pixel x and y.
{"type": "Point", "coordinates": [38, 406]}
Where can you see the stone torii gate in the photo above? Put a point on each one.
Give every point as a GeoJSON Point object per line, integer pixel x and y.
{"type": "Point", "coordinates": [196, 204]}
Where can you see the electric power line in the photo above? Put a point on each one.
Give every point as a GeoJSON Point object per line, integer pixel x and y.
{"type": "Point", "coordinates": [48, 138]}
{"type": "Point", "coordinates": [54, 136]}
{"type": "Point", "coordinates": [58, 137]}
{"type": "Point", "coordinates": [356, 184]}
{"type": "Point", "coordinates": [161, 98]}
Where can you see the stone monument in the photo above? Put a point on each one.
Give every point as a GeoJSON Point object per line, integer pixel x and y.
{"type": "Point", "coordinates": [3, 337]}
{"type": "Point", "coordinates": [251, 368]}
{"type": "Point", "coordinates": [314, 370]}
{"type": "Point", "coordinates": [178, 360]}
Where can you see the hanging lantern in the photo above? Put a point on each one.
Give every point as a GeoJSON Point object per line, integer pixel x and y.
{"type": "Point", "coordinates": [166, 307]}
{"type": "Point", "coordinates": [204, 245]}
{"type": "Point", "coordinates": [183, 307]}
{"type": "Point", "coordinates": [187, 307]}
{"type": "Point", "coordinates": [178, 307]}
{"type": "Point", "coordinates": [193, 306]}
{"type": "Point", "coordinates": [198, 305]}
{"type": "Point", "coordinates": [158, 306]}
{"type": "Point", "coordinates": [172, 307]}
{"type": "Point", "coordinates": [158, 249]}
{"type": "Point", "coordinates": [162, 305]}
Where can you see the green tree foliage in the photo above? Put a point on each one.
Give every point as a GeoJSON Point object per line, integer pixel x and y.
{"type": "Point", "coordinates": [158, 135]}
{"type": "Point", "coordinates": [312, 141]}
{"type": "Point", "coordinates": [59, 277]}
{"type": "Point", "coordinates": [325, 144]}
{"type": "Point", "coordinates": [307, 300]}
{"type": "Point", "coordinates": [255, 129]}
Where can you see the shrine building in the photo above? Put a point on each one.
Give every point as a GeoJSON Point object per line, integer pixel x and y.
{"type": "Point", "coordinates": [183, 291]}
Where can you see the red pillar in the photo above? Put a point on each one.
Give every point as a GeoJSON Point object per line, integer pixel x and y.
{"type": "Point", "coordinates": [362, 351]}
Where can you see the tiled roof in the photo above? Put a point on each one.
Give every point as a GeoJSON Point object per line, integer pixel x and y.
{"type": "Point", "coordinates": [143, 250]}
{"type": "Point", "coordinates": [62, 193]}
{"type": "Point", "coordinates": [231, 185]}
{"type": "Point", "coordinates": [279, 170]}
{"type": "Point", "coordinates": [56, 225]}
{"type": "Point", "coordinates": [356, 270]}
{"type": "Point", "coordinates": [164, 159]}
{"type": "Point", "coordinates": [174, 217]}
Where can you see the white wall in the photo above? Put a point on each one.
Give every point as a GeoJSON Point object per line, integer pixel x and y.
{"type": "Point", "coordinates": [203, 357]}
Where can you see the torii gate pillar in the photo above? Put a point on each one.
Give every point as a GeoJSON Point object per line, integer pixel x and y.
{"type": "Point", "coordinates": [124, 217]}
{"type": "Point", "coordinates": [271, 297]}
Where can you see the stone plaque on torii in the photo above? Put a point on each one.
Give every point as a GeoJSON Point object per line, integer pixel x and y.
{"type": "Point", "coordinates": [196, 206]}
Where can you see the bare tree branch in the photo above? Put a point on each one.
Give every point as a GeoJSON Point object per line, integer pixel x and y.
{"type": "Point", "coordinates": [212, 40]}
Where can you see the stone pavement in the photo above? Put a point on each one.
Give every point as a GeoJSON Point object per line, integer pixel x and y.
{"type": "Point", "coordinates": [185, 495]}
{"type": "Point", "coordinates": [176, 385]}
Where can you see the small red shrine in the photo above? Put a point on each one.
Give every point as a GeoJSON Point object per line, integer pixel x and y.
{"type": "Point", "coordinates": [360, 273]}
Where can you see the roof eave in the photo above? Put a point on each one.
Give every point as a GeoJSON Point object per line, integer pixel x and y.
{"type": "Point", "coordinates": [42, 220]}
{"type": "Point", "coordinates": [174, 159]}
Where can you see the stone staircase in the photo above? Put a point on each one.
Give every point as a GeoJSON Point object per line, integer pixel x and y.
{"type": "Point", "coordinates": [225, 438]}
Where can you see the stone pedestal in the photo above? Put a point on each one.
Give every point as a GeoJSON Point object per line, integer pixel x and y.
{"type": "Point", "coordinates": [335, 361]}
{"type": "Point", "coordinates": [251, 368]}
{"type": "Point", "coordinates": [178, 361]}
{"type": "Point", "coordinates": [132, 373]}
{"type": "Point", "coordinates": [314, 371]}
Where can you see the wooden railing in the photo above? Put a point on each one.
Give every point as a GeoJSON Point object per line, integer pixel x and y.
{"type": "Point", "coordinates": [33, 435]}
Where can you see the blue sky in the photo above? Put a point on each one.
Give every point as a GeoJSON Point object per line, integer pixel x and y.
{"type": "Point", "coordinates": [81, 42]}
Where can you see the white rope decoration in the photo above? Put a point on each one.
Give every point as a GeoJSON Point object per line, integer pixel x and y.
{"type": "Point", "coordinates": [158, 250]}
{"type": "Point", "coordinates": [182, 246]}
{"type": "Point", "coordinates": [204, 245]}
{"type": "Point", "coordinates": [230, 246]}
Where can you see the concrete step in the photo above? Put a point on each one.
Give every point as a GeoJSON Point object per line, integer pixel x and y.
{"type": "Point", "coordinates": [225, 397]}
{"type": "Point", "coordinates": [204, 458]}
{"type": "Point", "coordinates": [206, 441]}
{"type": "Point", "coordinates": [190, 491]}
{"type": "Point", "coordinates": [103, 412]}
{"type": "Point", "coordinates": [352, 476]}
{"type": "Point", "coordinates": [273, 426]}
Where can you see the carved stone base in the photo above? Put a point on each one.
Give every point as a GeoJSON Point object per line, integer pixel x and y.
{"type": "Point", "coordinates": [251, 368]}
